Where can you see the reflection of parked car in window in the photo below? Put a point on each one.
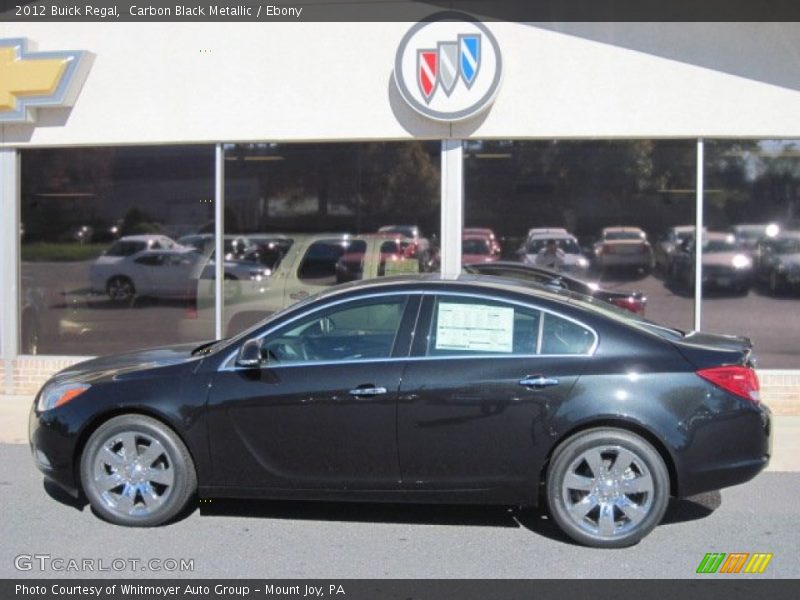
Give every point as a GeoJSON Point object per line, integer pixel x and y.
{"type": "Point", "coordinates": [163, 272]}
{"type": "Point", "coordinates": [312, 262]}
{"type": "Point", "coordinates": [570, 260]}
{"type": "Point", "coordinates": [724, 264]}
{"type": "Point", "coordinates": [778, 263]}
{"type": "Point", "coordinates": [393, 250]}
{"type": "Point", "coordinates": [419, 247]}
{"type": "Point", "coordinates": [487, 233]}
{"type": "Point", "coordinates": [623, 247]}
{"type": "Point", "coordinates": [235, 246]}
{"type": "Point", "coordinates": [109, 273]}
{"type": "Point", "coordinates": [747, 235]}
{"type": "Point", "coordinates": [669, 244]}
{"type": "Point", "coordinates": [477, 249]}
{"type": "Point", "coordinates": [634, 302]}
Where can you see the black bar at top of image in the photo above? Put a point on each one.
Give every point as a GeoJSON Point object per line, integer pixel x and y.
{"type": "Point", "coordinates": [404, 10]}
{"type": "Point", "coordinates": [727, 588]}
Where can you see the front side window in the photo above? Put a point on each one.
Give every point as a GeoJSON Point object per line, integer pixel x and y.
{"type": "Point", "coordinates": [349, 332]}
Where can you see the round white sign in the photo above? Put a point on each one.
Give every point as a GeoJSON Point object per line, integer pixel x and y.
{"type": "Point", "coordinates": [449, 67]}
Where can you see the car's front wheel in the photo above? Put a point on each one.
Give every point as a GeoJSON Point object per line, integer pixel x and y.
{"type": "Point", "coordinates": [607, 488]}
{"type": "Point", "coordinates": [120, 289]}
{"type": "Point", "coordinates": [136, 471]}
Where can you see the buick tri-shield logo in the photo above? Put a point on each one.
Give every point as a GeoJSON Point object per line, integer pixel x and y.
{"type": "Point", "coordinates": [448, 69]}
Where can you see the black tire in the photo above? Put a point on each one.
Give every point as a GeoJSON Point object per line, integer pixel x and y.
{"type": "Point", "coordinates": [171, 500]}
{"type": "Point", "coordinates": [120, 289]}
{"type": "Point", "coordinates": [606, 441]}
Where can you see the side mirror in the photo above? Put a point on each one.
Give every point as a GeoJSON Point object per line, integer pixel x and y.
{"type": "Point", "coordinates": [249, 355]}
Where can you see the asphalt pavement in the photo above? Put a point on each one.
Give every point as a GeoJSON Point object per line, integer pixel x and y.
{"type": "Point", "coordinates": [339, 540]}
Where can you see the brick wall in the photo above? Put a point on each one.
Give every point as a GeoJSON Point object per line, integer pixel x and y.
{"type": "Point", "coordinates": [780, 390]}
{"type": "Point", "coordinates": [24, 376]}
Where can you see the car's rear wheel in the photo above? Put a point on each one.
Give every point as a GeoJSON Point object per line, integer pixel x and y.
{"type": "Point", "coordinates": [136, 471]}
{"type": "Point", "coordinates": [607, 488]}
{"type": "Point", "coordinates": [120, 289]}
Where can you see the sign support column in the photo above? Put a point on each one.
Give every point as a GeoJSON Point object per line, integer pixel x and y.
{"type": "Point", "coordinates": [452, 215]}
{"type": "Point", "coordinates": [9, 265]}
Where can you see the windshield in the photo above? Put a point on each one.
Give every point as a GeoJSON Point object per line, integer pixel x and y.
{"type": "Point", "coordinates": [719, 246]}
{"type": "Point", "coordinates": [568, 245]}
{"type": "Point", "coordinates": [624, 235]}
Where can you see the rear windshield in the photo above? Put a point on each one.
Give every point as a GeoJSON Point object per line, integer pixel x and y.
{"type": "Point", "coordinates": [475, 247]}
{"type": "Point", "coordinates": [568, 245]}
{"type": "Point", "coordinates": [624, 235]}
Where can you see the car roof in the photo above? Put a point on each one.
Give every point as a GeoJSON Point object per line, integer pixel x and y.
{"type": "Point", "coordinates": [546, 230]}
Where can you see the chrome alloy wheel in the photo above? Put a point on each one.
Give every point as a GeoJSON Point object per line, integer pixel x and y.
{"type": "Point", "coordinates": [120, 289]}
{"type": "Point", "coordinates": [607, 491]}
{"type": "Point", "coordinates": [132, 474]}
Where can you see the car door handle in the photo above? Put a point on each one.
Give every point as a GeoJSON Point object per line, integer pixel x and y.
{"type": "Point", "coordinates": [298, 295]}
{"type": "Point", "coordinates": [538, 381]}
{"type": "Point", "coordinates": [367, 390]}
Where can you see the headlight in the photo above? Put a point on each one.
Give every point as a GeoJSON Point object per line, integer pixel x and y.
{"type": "Point", "coordinates": [583, 263]}
{"type": "Point", "coordinates": [740, 261]}
{"type": "Point", "coordinates": [57, 394]}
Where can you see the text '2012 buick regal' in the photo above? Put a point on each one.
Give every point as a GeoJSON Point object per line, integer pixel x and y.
{"type": "Point", "coordinates": [417, 389]}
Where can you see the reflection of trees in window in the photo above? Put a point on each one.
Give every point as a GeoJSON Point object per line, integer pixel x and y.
{"type": "Point", "coordinates": [750, 181]}
{"type": "Point", "coordinates": [321, 187]}
{"type": "Point", "coordinates": [580, 185]}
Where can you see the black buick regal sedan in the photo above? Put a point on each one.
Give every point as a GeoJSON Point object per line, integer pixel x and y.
{"type": "Point", "coordinates": [476, 390]}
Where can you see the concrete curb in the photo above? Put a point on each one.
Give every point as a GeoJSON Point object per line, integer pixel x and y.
{"type": "Point", "coordinates": [14, 412]}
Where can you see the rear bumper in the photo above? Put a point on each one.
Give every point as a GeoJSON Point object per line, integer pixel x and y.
{"type": "Point", "coordinates": [732, 450]}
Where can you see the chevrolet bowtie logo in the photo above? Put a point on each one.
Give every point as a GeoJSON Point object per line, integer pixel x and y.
{"type": "Point", "coordinates": [31, 80]}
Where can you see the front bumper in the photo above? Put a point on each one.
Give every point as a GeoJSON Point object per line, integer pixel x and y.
{"type": "Point", "coordinates": [53, 449]}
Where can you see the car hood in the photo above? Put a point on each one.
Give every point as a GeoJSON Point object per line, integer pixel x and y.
{"type": "Point", "coordinates": [122, 365]}
{"type": "Point", "coordinates": [720, 259]}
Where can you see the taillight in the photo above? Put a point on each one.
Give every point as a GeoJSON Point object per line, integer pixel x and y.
{"type": "Point", "coordinates": [632, 304]}
{"type": "Point", "coordinates": [738, 380]}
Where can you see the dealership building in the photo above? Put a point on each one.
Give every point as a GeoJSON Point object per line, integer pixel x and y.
{"type": "Point", "coordinates": [287, 146]}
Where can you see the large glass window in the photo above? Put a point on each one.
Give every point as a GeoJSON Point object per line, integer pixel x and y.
{"type": "Point", "coordinates": [104, 266]}
{"type": "Point", "coordinates": [751, 246]}
{"type": "Point", "coordinates": [314, 215]}
{"type": "Point", "coordinates": [610, 213]}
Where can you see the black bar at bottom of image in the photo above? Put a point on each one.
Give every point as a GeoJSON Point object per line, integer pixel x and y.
{"type": "Point", "coordinates": [731, 588]}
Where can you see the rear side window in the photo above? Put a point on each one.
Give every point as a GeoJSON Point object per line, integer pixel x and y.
{"type": "Point", "coordinates": [475, 326]}
{"type": "Point", "coordinates": [126, 248]}
{"type": "Point", "coordinates": [561, 336]}
{"type": "Point", "coordinates": [468, 327]}
{"type": "Point", "coordinates": [328, 262]}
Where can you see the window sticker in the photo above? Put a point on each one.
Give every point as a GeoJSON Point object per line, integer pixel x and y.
{"type": "Point", "coordinates": [475, 327]}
